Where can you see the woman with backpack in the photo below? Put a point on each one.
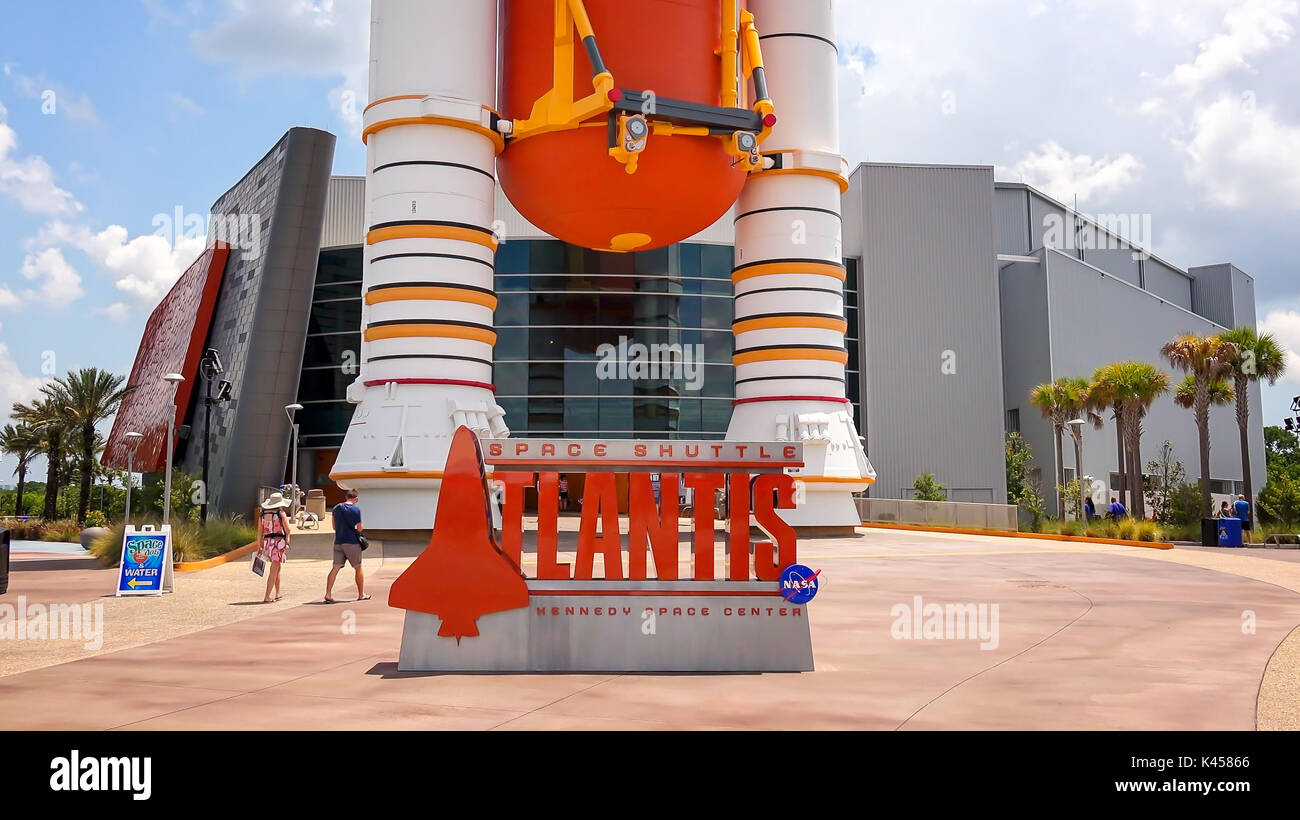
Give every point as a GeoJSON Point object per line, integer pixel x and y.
{"type": "Point", "coordinates": [273, 530]}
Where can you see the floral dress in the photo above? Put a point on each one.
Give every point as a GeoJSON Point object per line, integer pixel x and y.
{"type": "Point", "coordinates": [274, 545]}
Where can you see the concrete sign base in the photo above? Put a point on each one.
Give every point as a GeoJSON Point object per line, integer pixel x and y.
{"type": "Point", "coordinates": [624, 626]}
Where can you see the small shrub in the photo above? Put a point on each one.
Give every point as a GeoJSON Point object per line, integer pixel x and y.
{"type": "Point", "coordinates": [1073, 528]}
{"type": "Point", "coordinates": [65, 531]}
{"type": "Point", "coordinates": [108, 547]}
{"type": "Point", "coordinates": [190, 542]}
{"type": "Point", "coordinates": [96, 518]}
{"type": "Point", "coordinates": [925, 488]}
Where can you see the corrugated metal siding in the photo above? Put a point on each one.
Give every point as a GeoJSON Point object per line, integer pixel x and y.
{"type": "Point", "coordinates": [1098, 319]}
{"type": "Point", "coordinates": [929, 275]}
{"type": "Point", "coordinates": [1011, 213]}
{"type": "Point", "coordinates": [345, 213]}
{"type": "Point", "coordinates": [1168, 283]}
{"type": "Point", "coordinates": [1115, 261]}
{"type": "Point", "coordinates": [1039, 211]}
{"type": "Point", "coordinates": [1212, 293]}
{"type": "Point", "coordinates": [1243, 298]}
{"type": "Point", "coordinates": [1027, 353]}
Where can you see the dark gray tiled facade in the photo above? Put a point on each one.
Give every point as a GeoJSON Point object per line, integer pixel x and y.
{"type": "Point", "coordinates": [260, 323]}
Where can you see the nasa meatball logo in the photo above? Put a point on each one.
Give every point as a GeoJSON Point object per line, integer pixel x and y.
{"type": "Point", "coordinates": [798, 583]}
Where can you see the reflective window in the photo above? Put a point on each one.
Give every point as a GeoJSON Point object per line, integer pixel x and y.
{"type": "Point", "coordinates": [588, 343]}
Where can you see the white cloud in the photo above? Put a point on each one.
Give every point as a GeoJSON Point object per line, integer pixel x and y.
{"type": "Point", "coordinates": [1249, 29]}
{"type": "Point", "coordinates": [56, 99]}
{"type": "Point", "coordinates": [14, 386]}
{"type": "Point", "coordinates": [1240, 155]}
{"type": "Point", "coordinates": [8, 299]}
{"type": "Point", "coordinates": [1285, 325]}
{"type": "Point", "coordinates": [1060, 174]}
{"type": "Point", "coordinates": [117, 311]}
{"type": "Point", "coordinates": [143, 267]}
{"type": "Point", "coordinates": [30, 180]}
{"type": "Point", "coordinates": [59, 284]}
{"type": "Point", "coordinates": [184, 103]}
{"type": "Point", "coordinates": [319, 38]}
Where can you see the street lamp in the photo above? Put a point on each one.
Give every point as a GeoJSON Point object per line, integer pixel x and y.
{"type": "Point", "coordinates": [209, 368]}
{"type": "Point", "coordinates": [174, 379]}
{"type": "Point", "coordinates": [132, 441]}
{"type": "Point", "coordinates": [289, 410]}
{"type": "Point", "coordinates": [1076, 433]}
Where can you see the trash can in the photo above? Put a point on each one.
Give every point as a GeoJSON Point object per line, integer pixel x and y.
{"type": "Point", "coordinates": [1230, 532]}
{"type": "Point", "coordinates": [4, 561]}
{"type": "Point", "coordinates": [1209, 532]}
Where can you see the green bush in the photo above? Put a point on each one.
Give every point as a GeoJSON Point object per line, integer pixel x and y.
{"type": "Point", "coordinates": [1279, 501]}
{"type": "Point", "coordinates": [190, 542]}
{"type": "Point", "coordinates": [925, 488]}
{"type": "Point", "coordinates": [95, 518]}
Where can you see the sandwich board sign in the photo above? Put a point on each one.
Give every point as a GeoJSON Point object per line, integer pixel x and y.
{"type": "Point", "coordinates": [146, 567]}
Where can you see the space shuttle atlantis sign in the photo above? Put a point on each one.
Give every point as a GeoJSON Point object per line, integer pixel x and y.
{"type": "Point", "coordinates": [650, 599]}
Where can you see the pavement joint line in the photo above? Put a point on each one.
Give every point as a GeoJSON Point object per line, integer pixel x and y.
{"type": "Point", "coordinates": [1275, 676]}
{"type": "Point", "coordinates": [1008, 659]}
{"type": "Point", "coordinates": [554, 702]}
{"type": "Point", "coordinates": [241, 694]}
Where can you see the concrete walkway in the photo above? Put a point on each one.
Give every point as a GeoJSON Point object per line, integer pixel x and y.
{"type": "Point", "coordinates": [1090, 638]}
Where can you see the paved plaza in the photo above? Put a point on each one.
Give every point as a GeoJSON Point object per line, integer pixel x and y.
{"type": "Point", "coordinates": [1088, 637]}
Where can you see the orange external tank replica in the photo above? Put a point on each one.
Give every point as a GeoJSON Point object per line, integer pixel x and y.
{"type": "Point", "coordinates": [629, 128]}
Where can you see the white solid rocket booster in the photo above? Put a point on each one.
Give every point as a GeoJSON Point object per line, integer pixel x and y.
{"type": "Point", "coordinates": [789, 276]}
{"type": "Point", "coordinates": [427, 337]}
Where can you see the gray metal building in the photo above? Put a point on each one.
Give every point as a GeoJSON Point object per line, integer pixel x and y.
{"type": "Point", "coordinates": [260, 323]}
{"type": "Point", "coordinates": [963, 294]}
{"type": "Point", "coordinates": [1078, 298]}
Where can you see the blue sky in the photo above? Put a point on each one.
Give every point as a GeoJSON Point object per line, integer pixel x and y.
{"type": "Point", "coordinates": [1185, 111]}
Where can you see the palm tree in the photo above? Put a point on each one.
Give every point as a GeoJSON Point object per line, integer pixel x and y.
{"type": "Point", "coordinates": [1059, 402]}
{"type": "Point", "coordinates": [47, 421]}
{"type": "Point", "coordinates": [1136, 386]}
{"type": "Point", "coordinates": [21, 444]}
{"type": "Point", "coordinates": [1207, 359]}
{"type": "Point", "coordinates": [89, 396]}
{"type": "Point", "coordinates": [1221, 393]}
{"type": "Point", "coordinates": [1259, 356]}
{"type": "Point", "coordinates": [1103, 395]}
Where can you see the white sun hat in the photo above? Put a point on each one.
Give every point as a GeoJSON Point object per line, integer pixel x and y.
{"type": "Point", "coordinates": [275, 502]}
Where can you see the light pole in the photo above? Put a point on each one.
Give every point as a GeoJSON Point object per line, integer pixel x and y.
{"type": "Point", "coordinates": [289, 410]}
{"type": "Point", "coordinates": [174, 379]}
{"type": "Point", "coordinates": [132, 441]}
{"type": "Point", "coordinates": [209, 368]}
{"type": "Point", "coordinates": [1076, 433]}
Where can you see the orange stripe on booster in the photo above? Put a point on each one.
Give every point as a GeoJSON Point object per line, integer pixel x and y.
{"type": "Point", "coordinates": [383, 125]}
{"type": "Point", "coordinates": [483, 238]}
{"type": "Point", "coordinates": [771, 268]}
{"type": "Point", "coordinates": [790, 353]}
{"type": "Point", "coordinates": [430, 330]}
{"type": "Point", "coordinates": [774, 322]}
{"type": "Point", "coordinates": [417, 293]}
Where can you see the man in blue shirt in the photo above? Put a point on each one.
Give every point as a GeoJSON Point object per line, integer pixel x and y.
{"type": "Point", "coordinates": [1117, 509]}
{"type": "Point", "coordinates": [1242, 506]}
{"type": "Point", "coordinates": [347, 545]}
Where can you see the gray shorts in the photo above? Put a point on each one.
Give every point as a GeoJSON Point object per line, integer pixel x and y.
{"type": "Point", "coordinates": [350, 553]}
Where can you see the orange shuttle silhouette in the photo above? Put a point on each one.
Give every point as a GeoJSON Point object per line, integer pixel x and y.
{"type": "Point", "coordinates": [463, 573]}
